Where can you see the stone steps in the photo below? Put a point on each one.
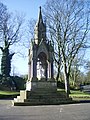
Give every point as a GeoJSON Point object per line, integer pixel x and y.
{"type": "Point", "coordinates": [42, 102]}
{"type": "Point", "coordinates": [47, 94]}
{"type": "Point", "coordinates": [45, 100]}
{"type": "Point", "coordinates": [40, 98]}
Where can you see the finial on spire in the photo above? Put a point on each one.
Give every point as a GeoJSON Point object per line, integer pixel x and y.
{"type": "Point", "coordinates": [40, 7]}
{"type": "Point", "coordinates": [40, 15]}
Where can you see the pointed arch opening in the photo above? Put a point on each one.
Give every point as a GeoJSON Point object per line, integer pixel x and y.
{"type": "Point", "coordinates": [42, 66]}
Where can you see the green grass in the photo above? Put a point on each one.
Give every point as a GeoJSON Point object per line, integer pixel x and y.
{"type": "Point", "coordinates": [8, 94]}
{"type": "Point", "coordinates": [61, 90]}
{"type": "Point", "coordinates": [79, 95]}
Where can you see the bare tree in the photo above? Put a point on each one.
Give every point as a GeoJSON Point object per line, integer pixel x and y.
{"type": "Point", "coordinates": [75, 71]}
{"type": "Point", "coordinates": [30, 32]}
{"type": "Point", "coordinates": [31, 25]}
{"type": "Point", "coordinates": [68, 27]}
{"type": "Point", "coordinates": [10, 27]}
{"type": "Point", "coordinates": [3, 11]}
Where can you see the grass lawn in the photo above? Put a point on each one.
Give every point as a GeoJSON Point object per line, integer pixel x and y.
{"type": "Point", "coordinates": [79, 95]}
{"type": "Point", "coordinates": [8, 94]}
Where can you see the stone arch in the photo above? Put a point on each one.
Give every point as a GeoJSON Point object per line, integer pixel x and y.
{"type": "Point", "coordinates": [43, 49]}
{"type": "Point", "coordinates": [42, 66]}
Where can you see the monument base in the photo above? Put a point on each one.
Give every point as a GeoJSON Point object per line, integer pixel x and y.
{"type": "Point", "coordinates": [42, 84]}
{"type": "Point", "coordinates": [41, 93]}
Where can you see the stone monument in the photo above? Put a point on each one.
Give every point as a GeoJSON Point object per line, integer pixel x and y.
{"type": "Point", "coordinates": [40, 59]}
{"type": "Point", "coordinates": [41, 87]}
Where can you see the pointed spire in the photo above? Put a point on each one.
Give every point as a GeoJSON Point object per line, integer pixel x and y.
{"type": "Point", "coordinates": [40, 29]}
{"type": "Point", "coordinates": [40, 15]}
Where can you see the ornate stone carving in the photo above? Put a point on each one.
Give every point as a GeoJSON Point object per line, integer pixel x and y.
{"type": "Point", "coordinates": [40, 54]}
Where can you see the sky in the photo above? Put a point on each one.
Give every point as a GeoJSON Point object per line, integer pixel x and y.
{"type": "Point", "coordinates": [30, 8]}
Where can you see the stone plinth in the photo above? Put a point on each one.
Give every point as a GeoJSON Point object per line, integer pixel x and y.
{"type": "Point", "coordinates": [42, 93]}
{"type": "Point", "coordinates": [42, 84]}
{"type": "Point", "coordinates": [40, 97]}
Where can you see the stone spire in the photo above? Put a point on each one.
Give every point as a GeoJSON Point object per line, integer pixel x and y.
{"type": "Point", "coordinates": [40, 20]}
{"type": "Point", "coordinates": [40, 29]}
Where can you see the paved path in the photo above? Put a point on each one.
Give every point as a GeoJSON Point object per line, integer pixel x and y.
{"type": "Point", "coordinates": [56, 112]}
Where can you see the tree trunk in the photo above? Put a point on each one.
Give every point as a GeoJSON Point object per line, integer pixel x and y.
{"type": "Point", "coordinates": [67, 87]}
{"type": "Point", "coordinates": [6, 62]}
{"type": "Point", "coordinates": [58, 74]}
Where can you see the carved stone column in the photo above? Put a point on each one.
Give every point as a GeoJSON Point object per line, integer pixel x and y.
{"type": "Point", "coordinates": [29, 71]}
{"type": "Point", "coordinates": [49, 70]}
{"type": "Point", "coordinates": [52, 70]}
{"type": "Point", "coordinates": [34, 68]}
